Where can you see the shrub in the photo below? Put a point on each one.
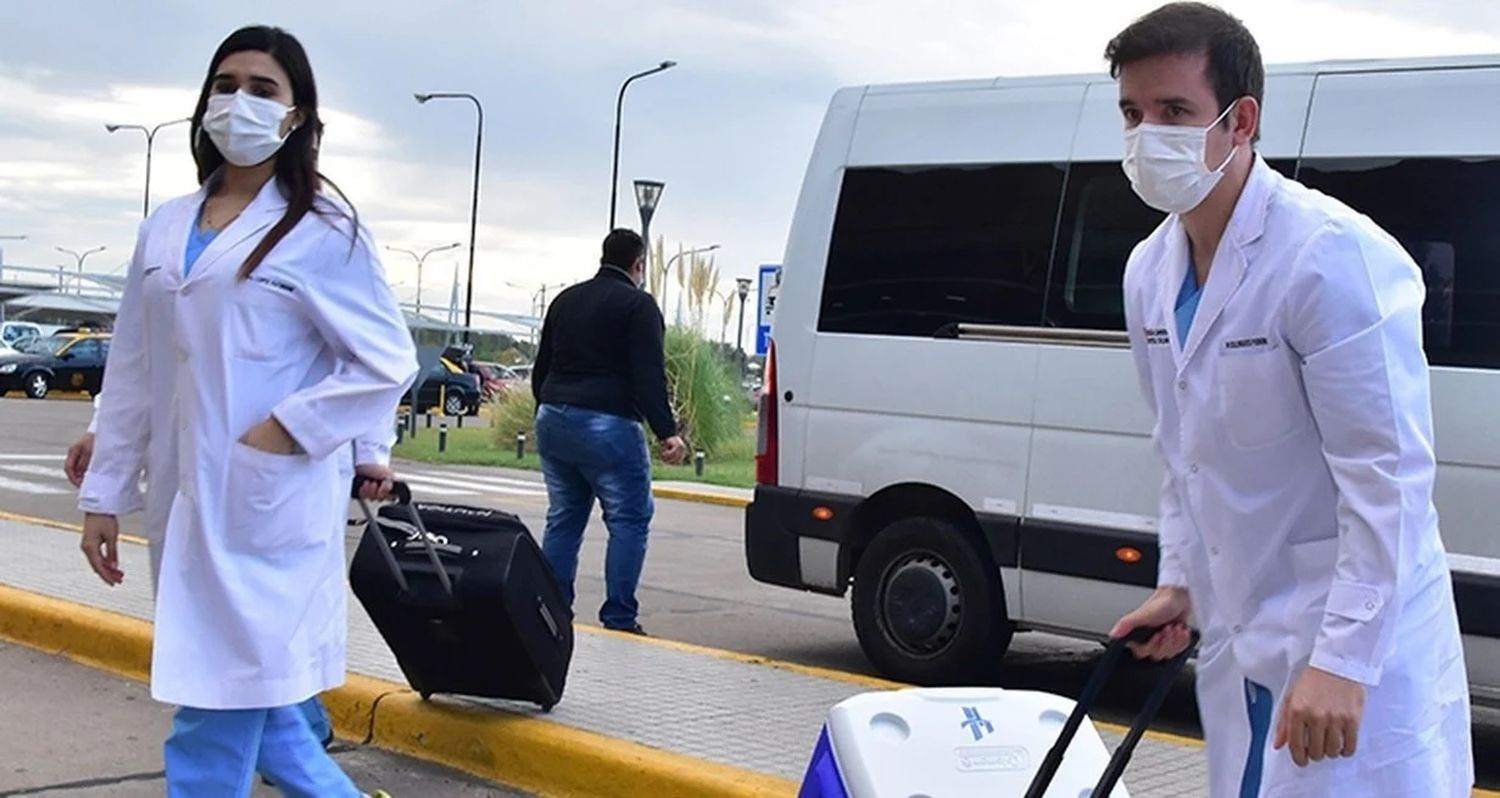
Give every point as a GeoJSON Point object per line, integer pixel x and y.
{"type": "Point", "coordinates": [706, 396]}
{"type": "Point", "coordinates": [512, 413]}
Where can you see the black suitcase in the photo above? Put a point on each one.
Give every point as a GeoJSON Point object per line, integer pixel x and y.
{"type": "Point", "coordinates": [465, 600]}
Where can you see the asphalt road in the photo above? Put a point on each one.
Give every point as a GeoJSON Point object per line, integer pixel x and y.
{"type": "Point", "coordinates": [695, 588]}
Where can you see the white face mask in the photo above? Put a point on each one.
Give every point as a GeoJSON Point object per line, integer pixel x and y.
{"type": "Point", "coordinates": [1165, 164]}
{"type": "Point", "coordinates": [246, 129]}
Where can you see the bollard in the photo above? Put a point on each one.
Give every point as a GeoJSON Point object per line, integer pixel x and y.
{"type": "Point", "coordinates": [460, 420]}
{"type": "Point", "coordinates": [429, 421]}
{"type": "Point", "coordinates": [411, 424]}
{"type": "Point", "coordinates": [698, 461]}
{"type": "Point", "coordinates": [520, 445]}
{"type": "Point", "coordinates": [442, 437]}
{"type": "Point", "coordinates": [400, 430]}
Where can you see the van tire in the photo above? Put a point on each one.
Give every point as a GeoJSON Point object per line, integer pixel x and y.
{"type": "Point", "coordinates": [928, 605]}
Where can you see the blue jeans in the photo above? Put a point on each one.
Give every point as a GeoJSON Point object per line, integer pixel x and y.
{"type": "Point", "coordinates": [586, 455]}
{"type": "Point", "coordinates": [216, 753]}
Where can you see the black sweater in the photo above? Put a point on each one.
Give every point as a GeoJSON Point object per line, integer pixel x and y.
{"type": "Point", "coordinates": [602, 350]}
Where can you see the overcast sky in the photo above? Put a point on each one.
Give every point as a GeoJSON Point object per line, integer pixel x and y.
{"type": "Point", "coordinates": [729, 130]}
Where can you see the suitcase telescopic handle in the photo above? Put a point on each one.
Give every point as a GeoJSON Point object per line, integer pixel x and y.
{"type": "Point", "coordinates": [1091, 690]}
{"type": "Point", "coordinates": [402, 495]}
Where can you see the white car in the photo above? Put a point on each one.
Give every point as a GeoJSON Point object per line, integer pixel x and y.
{"type": "Point", "coordinates": [1003, 479]}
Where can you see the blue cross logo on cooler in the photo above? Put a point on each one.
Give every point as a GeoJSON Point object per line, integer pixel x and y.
{"type": "Point", "coordinates": [976, 724]}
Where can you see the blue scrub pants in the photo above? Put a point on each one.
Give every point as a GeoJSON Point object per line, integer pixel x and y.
{"type": "Point", "coordinates": [216, 754]}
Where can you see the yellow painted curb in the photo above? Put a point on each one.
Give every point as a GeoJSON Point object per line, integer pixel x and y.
{"type": "Point", "coordinates": [6, 515]}
{"type": "Point", "coordinates": [536, 755]}
{"type": "Point", "coordinates": [677, 494]}
{"type": "Point", "coordinates": [105, 640]}
{"type": "Point", "coordinates": [555, 760]}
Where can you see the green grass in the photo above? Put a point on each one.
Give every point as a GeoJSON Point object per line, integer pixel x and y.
{"type": "Point", "coordinates": [735, 468]}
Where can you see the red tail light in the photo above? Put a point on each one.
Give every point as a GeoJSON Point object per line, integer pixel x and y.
{"type": "Point", "coordinates": [768, 443]}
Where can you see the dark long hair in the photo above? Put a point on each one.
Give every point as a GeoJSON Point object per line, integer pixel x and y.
{"type": "Point", "coordinates": [297, 172]}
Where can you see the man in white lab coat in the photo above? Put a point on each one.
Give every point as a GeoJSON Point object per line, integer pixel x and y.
{"type": "Point", "coordinates": [1278, 336]}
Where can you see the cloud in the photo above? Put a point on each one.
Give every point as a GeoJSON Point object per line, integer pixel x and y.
{"type": "Point", "coordinates": [729, 130]}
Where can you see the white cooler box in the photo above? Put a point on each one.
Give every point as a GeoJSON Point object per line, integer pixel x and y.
{"type": "Point", "coordinates": [965, 742]}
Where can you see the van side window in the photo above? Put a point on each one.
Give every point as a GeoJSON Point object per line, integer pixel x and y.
{"type": "Point", "coordinates": [1446, 212]}
{"type": "Point", "coordinates": [918, 248]}
{"type": "Point", "coordinates": [1102, 221]}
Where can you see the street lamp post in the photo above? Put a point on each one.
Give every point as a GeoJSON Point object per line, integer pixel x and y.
{"type": "Point", "coordinates": [80, 258]}
{"type": "Point", "coordinates": [474, 207]}
{"type": "Point", "coordinates": [150, 141]}
{"type": "Point", "coordinates": [614, 177]}
{"type": "Point", "coordinates": [742, 289]}
{"type": "Point", "coordinates": [647, 195]}
{"type": "Point", "coordinates": [421, 259]}
{"type": "Point", "coordinates": [667, 269]}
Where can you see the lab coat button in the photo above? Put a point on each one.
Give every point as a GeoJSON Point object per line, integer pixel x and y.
{"type": "Point", "coordinates": [1369, 605]}
{"type": "Point", "coordinates": [1214, 551]}
{"type": "Point", "coordinates": [1194, 468]}
{"type": "Point", "coordinates": [1182, 385]}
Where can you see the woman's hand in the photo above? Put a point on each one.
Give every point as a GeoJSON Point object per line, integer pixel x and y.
{"type": "Point", "coordinates": [270, 437]}
{"type": "Point", "coordinates": [101, 536]}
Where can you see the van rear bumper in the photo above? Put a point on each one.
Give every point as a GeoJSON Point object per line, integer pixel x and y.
{"type": "Point", "coordinates": [780, 525]}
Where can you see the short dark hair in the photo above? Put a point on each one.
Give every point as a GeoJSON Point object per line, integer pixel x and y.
{"type": "Point", "coordinates": [1235, 68]}
{"type": "Point", "coordinates": [621, 248]}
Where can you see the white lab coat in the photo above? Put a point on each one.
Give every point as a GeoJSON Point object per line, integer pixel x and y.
{"type": "Point", "coordinates": [160, 446]}
{"type": "Point", "coordinates": [251, 600]}
{"type": "Point", "coordinates": [1295, 424]}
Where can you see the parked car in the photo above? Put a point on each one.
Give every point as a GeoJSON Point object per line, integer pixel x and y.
{"type": "Point", "coordinates": [16, 332]}
{"type": "Point", "coordinates": [448, 388]}
{"type": "Point", "coordinates": [70, 362]}
{"type": "Point", "coordinates": [497, 379]}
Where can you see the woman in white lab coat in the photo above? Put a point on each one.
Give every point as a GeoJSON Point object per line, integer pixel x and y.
{"type": "Point", "coordinates": [288, 345]}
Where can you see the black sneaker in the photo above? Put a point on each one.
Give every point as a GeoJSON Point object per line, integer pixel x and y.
{"type": "Point", "coordinates": [630, 630]}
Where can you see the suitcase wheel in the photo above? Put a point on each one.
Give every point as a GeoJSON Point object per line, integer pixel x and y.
{"type": "Point", "coordinates": [547, 708]}
{"type": "Point", "coordinates": [426, 696]}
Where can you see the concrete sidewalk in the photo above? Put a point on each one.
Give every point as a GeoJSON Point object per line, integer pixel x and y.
{"type": "Point", "coordinates": [639, 715]}
{"type": "Point", "coordinates": [75, 732]}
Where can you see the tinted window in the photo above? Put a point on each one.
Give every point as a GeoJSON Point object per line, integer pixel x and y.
{"type": "Point", "coordinates": [86, 350]}
{"type": "Point", "coordinates": [918, 248]}
{"type": "Point", "coordinates": [1102, 222]}
{"type": "Point", "coordinates": [1446, 212]}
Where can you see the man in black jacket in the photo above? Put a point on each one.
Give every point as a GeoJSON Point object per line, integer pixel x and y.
{"type": "Point", "coordinates": [599, 372]}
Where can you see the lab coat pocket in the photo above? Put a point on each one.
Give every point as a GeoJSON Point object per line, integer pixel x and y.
{"type": "Point", "coordinates": [266, 321]}
{"type": "Point", "coordinates": [268, 503]}
{"type": "Point", "coordinates": [1260, 398]}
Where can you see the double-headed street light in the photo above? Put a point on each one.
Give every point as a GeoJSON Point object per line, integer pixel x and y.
{"type": "Point", "coordinates": [80, 257]}
{"type": "Point", "coordinates": [421, 259]}
{"type": "Point", "coordinates": [150, 141]}
{"type": "Point", "coordinates": [423, 99]}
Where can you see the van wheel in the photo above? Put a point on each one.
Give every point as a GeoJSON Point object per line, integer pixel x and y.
{"type": "Point", "coordinates": [38, 386]}
{"type": "Point", "coordinates": [928, 605]}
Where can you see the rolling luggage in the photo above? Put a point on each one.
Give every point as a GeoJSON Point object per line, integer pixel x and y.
{"type": "Point", "coordinates": [465, 600]}
{"type": "Point", "coordinates": [978, 742]}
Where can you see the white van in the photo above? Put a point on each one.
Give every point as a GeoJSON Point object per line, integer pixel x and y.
{"type": "Point", "coordinates": [976, 233]}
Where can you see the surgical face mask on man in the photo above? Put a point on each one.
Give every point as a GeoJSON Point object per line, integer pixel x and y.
{"type": "Point", "coordinates": [1166, 164]}
{"type": "Point", "coordinates": [245, 128]}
